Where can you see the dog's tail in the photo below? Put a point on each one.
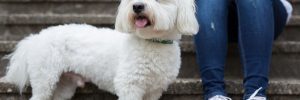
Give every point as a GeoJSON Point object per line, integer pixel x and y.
{"type": "Point", "coordinates": [17, 68]}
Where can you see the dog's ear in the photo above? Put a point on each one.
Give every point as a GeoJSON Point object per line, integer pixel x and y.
{"type": "Point", "coordinates": [118, 25]}
{"type": "Point", "coordinates": [121, 21]}
{"type": "Point", "coordinates": [187, 23]}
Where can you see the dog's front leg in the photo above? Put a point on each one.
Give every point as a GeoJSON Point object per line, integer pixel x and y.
{"type": "Point", "coordinates": [153, 95]}
{"type": "Point", "coordinates": [127, 89]}
{"type": "Point", "coordinates": [130, 93]}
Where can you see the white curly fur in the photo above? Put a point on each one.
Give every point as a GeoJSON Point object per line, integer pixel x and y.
{"type": "Point", "coordinates": [124, 64]}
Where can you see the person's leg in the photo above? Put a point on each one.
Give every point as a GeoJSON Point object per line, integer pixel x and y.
{"type": "Point", "coordinates": [256, 34]}
{"type": "Point", "coordinates": [211, 44]}
{"type": "Point", "coordinates": [282, 14]}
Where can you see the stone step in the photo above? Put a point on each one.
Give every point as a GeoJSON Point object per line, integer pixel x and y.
{"type": "Point", "coordinates": [296, 6]}
{"type": "Point", "coordinates": [59, 8]}
{"type": "Point", "coordinates": [72, 6]}
{"type": "Point", "coordinates": [69, 6]}
{"type": "Point", "coordinates": [16, 26]}
{"type": "Point", "coordinates": [18, 18]}
{"type": "Point", "coordinates": [285, 61]}
{"type": "Point", "coordinates": [49, 19]}
{"type": "Point", "coordinates": [98, 19]}
{"type": "Point", "coordinates": [182, 89]}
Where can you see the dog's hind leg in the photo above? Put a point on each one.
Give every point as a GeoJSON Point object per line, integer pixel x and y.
{"type": "Point", "coordinates": [43, 85]}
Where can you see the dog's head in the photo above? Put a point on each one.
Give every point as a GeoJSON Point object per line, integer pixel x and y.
{"type": "Point", "coordinates": [155, 18]}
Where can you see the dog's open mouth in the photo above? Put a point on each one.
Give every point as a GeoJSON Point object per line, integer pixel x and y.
{"type": "Point", "coordinates": [142, 21]}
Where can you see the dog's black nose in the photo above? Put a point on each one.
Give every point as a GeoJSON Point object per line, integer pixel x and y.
{"type": "Point", "coordinates": [138, 7]}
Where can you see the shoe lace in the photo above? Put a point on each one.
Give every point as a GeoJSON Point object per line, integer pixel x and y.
{"type": "Point", "coordinates": [220, 97]}
{"type": "Point", "coordinates": [253, 96]}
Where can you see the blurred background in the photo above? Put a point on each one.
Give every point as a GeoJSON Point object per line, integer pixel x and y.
{"type": "Point", "coordinates": [19, 18]}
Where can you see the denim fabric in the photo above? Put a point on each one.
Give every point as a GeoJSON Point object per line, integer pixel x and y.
{"type": "Point", "coordinates": [253, 24]}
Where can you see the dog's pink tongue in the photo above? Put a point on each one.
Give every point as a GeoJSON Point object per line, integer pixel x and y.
{"type": "Point", "coordinates": [141, 23]}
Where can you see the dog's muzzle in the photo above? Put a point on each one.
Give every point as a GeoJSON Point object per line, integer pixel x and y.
{"type": "Point", "coordinates": [141, 20]}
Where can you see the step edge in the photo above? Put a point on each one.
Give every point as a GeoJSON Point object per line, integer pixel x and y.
{"type": "Point", "coordinates": [278, 46]}
{"type": "Point", "coordinates": [190, 86]}
{"type": "Point", "coordinates": [56, 18]}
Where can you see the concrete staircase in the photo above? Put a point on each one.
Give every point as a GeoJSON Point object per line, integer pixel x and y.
{"type": "Point", "coordinates": [19, 18]}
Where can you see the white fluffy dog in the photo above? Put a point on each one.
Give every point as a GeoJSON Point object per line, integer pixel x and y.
{"type": "Point", "coordinates": [136, 62]}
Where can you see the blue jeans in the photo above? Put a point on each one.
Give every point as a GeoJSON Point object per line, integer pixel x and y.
{"type": "Point", "coordinates": [253, 24]}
